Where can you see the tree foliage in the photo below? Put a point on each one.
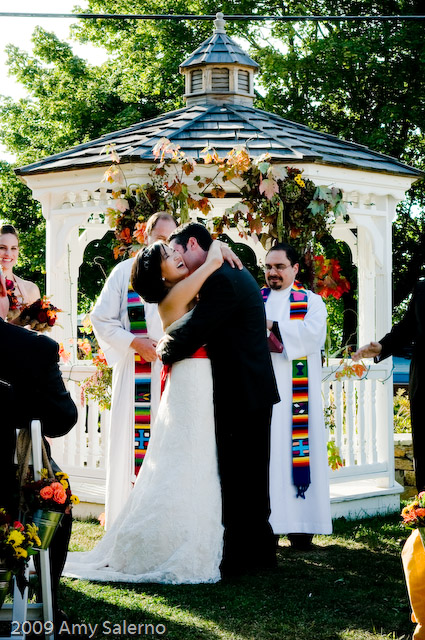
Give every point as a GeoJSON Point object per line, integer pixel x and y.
{"type": "Point", "coordinates": [362, 81]}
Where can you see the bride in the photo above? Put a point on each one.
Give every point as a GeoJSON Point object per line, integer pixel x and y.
{"type": "Point", "coordinates": [170, 530]}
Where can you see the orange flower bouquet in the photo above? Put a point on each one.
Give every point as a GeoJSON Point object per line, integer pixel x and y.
{"type": "Point", "coordinates": [413, 514]}
{"type": "Point", "coordinates": [49, 494]}
{"type": "Point", "coordinates": [41, 315]}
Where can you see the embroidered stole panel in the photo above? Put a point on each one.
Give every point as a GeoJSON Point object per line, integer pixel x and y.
{"type": "Point", "coordinates": [142, 382]}
{"type": "Point", "coordinates": [298, 302]}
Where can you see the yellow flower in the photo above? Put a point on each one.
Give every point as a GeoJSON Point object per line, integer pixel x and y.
{"type": "Point", "coordinates": [75, 499]}
{"type": "Point", "coordinates": [15, 538]}
{"type": "Point", "coordinates": [61, 474]}
{"type": "Point", "coordinates": [32, 531]}
{"type": "Point", "coordinates": [64, 483]}
{"type": "Point", "coordinates": [300, 182]}
{"type": "Point", "coordinates": [20, 552]}
{"type": "Point", "coordinates": [44, 474]}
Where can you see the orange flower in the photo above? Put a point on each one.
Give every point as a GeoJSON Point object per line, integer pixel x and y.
{"type": "Point", "coordinates": [46, 493]}
{"type": "Point", "coordinates": [139, 232]}
{"type": "Point", "coordinates": [125, 235]}
{"type": "Point", "coordinates": [64, 355]}
{"type": "Point", "coordinates": [359, 369]}
{"type": "Point", "coordinates": [60, 496]}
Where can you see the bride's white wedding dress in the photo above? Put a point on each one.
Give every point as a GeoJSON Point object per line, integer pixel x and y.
{"type": "Point", "coordinates": [170, 530]}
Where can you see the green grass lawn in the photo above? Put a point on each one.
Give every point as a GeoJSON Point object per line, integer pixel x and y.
{"type": "Point", "coordinates": [351, 587]}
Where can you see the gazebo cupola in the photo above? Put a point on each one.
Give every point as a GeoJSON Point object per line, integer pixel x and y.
{"type": "Point", "coordinates": [219, 71]}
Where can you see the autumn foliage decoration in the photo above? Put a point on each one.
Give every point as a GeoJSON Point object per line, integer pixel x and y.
{"type": "Point", "coordinates": [276, 204]}
{"type": "Point", "coordinates": [328, 280]}
{"type": "Point", "coordinates": [167, 190]}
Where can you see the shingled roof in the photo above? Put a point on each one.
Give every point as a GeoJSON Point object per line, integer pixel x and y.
{"type": "Point", "coordinates": [222, 119]}
{"type": "Point", "coordinates": [223, 127]}
{"type": "Point", "coordinates": [219, 49]}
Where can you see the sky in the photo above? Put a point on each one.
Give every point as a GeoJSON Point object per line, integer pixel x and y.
{"type": "Point", "coordinates": [18, 31]}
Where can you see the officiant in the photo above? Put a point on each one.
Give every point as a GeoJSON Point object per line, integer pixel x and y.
{"type": "Point", "coordinates": [299, 485]}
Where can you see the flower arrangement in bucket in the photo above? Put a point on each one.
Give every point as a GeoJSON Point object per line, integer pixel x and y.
{"type": "Point", "coordinates": [18, 542]}
{"type": "Point", "coordinates": [413, 559]}
{"type": "Point", "coordinates": [47, 500]}
{"type": "Point", "coordinates": [413, 514]}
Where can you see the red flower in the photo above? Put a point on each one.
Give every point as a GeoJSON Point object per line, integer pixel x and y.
{"type": "Point", "coordinates": [328, 280]}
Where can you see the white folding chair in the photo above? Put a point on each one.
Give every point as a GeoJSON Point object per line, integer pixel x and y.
{"type": "Point", "coordinates": [22, 613]}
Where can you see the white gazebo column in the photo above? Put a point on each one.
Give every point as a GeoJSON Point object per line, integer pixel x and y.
{"type": "Point", "coordinates": [366, 286]}
{"type": "Point", "coordinates": [62, 263]}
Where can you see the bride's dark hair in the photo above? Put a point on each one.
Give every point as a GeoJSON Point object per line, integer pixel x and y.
{"type": "Point", "coordinates": [146, 275]}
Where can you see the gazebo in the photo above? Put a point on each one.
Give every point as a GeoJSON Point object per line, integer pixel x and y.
{"type": "Point", "coordinates": [219, 113]}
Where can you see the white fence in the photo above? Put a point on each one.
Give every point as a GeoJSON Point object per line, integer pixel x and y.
{"type": "Point", "coordinates": [82, 452]}
{"type": "Point", "coordinates": [360, 410]}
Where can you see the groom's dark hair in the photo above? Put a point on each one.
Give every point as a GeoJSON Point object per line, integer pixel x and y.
{"type": "Point", "coordinates": [192, 230]}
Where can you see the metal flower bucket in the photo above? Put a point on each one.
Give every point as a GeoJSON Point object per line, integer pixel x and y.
{"type": "Point", "coordinates": [47, 523]}
{"type": "Point", "coordinates": [5, 578]}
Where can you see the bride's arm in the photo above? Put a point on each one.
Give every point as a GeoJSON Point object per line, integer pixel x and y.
{"type": "Point", "coordinates": [184, 291]}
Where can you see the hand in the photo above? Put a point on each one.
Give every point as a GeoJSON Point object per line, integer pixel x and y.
{"type": "Point", "coordinates": [230, 256]}
{"type": "Point", "coordinates": [146, 348]}
{"type": "Point", "coordinates": [371, 350]}
{"type": "Point", "coordinates": [160, 346]}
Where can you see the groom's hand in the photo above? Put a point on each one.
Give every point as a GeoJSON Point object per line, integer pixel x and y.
{"type": "Point", "coordinates": [146, 348]}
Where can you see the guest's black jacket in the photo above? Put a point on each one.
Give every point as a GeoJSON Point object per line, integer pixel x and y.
{"type": "Point", "coordinates": [31, 388]}
{"type": "Point", "coordinates": [407, 338]}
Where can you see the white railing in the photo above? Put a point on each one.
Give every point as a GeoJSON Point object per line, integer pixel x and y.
{"type": "Point", "coordinates": [82, 452]}
{"type": "Point", "coordinates": [360, 412]}
{"type": "Point", "coordinates": [361, 422]}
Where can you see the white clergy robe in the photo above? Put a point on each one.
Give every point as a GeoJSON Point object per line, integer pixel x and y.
{"type": "Point", "coordinates": [112, 329]}
{"type": "Point", "coordinates": [306, 337]}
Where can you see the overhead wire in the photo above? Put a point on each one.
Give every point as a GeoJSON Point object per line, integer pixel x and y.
{"type": "Point", "coordinates": [227, 17]}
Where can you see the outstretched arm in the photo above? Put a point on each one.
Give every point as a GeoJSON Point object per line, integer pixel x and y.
{"type": "Point", "coordinates": [181, 294]}
{"type": "Point", "coordinates": [371, 350]}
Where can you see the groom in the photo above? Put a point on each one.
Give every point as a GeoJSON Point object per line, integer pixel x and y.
{"type": "Point", "coordinates": [229, 318]}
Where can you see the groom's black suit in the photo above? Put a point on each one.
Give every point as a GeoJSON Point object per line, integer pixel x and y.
{"type": "Point", "coordinates": [229, 318]}
{"type": "Point", "coordinates": [31, 388]}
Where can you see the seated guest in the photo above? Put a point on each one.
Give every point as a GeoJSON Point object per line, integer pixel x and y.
{"type": "Point", "coordinates": [31, 388]}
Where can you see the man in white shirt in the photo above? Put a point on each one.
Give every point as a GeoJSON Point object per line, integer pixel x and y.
{"type": "Point", "coordinates": [297, 318]}
{"type": "Point", "coordinates": [111, 326]}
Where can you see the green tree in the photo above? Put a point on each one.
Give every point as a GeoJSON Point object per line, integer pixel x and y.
{"type": "Point", "coordinates": [17, 207]}
{"type": "Point", "coordinates": [361, 81]}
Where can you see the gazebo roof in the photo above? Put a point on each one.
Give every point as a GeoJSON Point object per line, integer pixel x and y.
{"type": "Point", "coordinates": [223, 127]}
{"type": "Point", "coordinates": [219, 49]}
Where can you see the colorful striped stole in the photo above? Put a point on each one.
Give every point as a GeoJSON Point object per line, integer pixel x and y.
{"type": "Point", "coordinates": [142, 382]}
{"type": "Point", "coordinates": [298, 303]}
